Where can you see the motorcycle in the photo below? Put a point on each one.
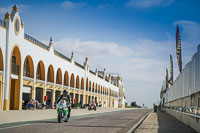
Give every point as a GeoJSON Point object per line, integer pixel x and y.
{"type": "Point", "coordinates": [62, 111]}
{"type": "Point", "coordinates": [92, 107]}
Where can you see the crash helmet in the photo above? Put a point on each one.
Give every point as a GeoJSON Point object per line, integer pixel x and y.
{"type": "Point", "coordinates": [65, 92]}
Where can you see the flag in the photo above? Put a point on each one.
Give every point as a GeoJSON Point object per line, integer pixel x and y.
{"type": "Point", "coordinates": [178, 49]}
{"type": "Point", "coordinates": [167, 79]}
{"type": "Point", "coordinates": [171, 71]}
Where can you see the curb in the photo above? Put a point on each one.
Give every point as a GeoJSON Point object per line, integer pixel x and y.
{"type": "Point", "coordinates": [133, 129]}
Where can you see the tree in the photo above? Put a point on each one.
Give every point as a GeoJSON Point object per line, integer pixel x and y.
{"type": "Point", "coordinates": [126, 104]}
{"type": "Point", "coordinates": [133, 103]}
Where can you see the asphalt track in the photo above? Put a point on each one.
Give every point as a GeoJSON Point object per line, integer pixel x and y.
{"type": "Point", "coordinates": [113, 122]}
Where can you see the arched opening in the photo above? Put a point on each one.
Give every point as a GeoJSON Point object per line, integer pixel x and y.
{"type": "Point", "coordinates": [15, 103]}
{"type": "Point", "coordinates": [28, 67]}
{"type": "Point", "coordinates": [101, 90]}
{"type": "Point", "coordinates": [1, 60]}
{"type": "Point", "coordinates": [77, 82]}
{"type": "Point", "coordinates": [82, 83]}
{"type": "Point", "coordinates": [66, 79]}
{"type": "Point", "coordinates": [1, 77]}
{"type": "Point", "coordinates": [90, 86]}
{"type": "Point", "coordinates": [87, 84]}
{"type": "Point", "coordinates": [40, 71]}
{"type": "Point", "coordinates": [59, 77]}
{"type": "Point", "coordinates": [96, 88]}
{"type": "Point", "coordinates": [50, 74]}
{"type": "Point", "coordinates": [28, 71]}
{"type": "Point", "coordinates": [93, 87]}
{"type": "Point", "coordinates": [72, 80]}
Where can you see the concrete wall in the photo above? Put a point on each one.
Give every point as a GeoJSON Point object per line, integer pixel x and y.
{"type": "Point", "coordinates": [188, 119]}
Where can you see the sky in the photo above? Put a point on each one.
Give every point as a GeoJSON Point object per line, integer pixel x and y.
{"type": "Point", "coordinates": [133, 38]}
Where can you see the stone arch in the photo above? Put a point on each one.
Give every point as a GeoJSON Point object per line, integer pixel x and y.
{"type": "Point", "coordinates": [96, 87]}
{"type": "Point", "coordinates": [40, 72]}
{"type": "Point", "coordinates": [93, 87]}
{"type": "Point", "coordinates": [87, 84]}
{"type": "Point", "coordinates": [1, 77]}
{"type": "Point", "coordinates": [82, 83]}
{"type": "Point", "coordinates": [66, 79]}
{"type": "Point", "coordinates": [28, 70]}
{"type": "Point", "coordinates": [15, 68]}
{"type": "Point", "coordinates": [90, 85]}
{"type": "Point", "coordinates": [1, 60]}
{"type": "Point", "coordinates": [59, 76]}
{"type": "Point", "coordinates": [50, 74]}
{"type": "Point", "coordinates": [72, 80]}
{"type": "Point", "coordinates": [77, 82]}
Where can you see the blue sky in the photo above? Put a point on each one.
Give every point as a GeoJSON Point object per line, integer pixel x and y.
{"type": "Point", "coordinates": [132, 37]}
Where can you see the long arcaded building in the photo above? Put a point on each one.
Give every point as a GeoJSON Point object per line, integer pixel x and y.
{"type": "Point", "coordinates": [30, 69]}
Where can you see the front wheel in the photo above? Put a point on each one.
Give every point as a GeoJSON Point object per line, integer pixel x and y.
{"type": "Point", "coordinates": [59, 117]}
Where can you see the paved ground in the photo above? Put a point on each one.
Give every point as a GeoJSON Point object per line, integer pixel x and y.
{"type": "Point", "coordinates": [32, 115]}
{"type": "Point", "coordinates": [119, 121]}
{"type": "Point", "coordinates": [163, 123]}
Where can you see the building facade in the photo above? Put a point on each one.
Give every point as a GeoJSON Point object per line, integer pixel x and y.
{"type": "Point", "coordinates": [30, 69]}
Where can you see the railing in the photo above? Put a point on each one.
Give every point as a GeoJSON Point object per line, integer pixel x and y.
{"type": "Point", "coordinates": [50, 83]}
{"type": "Point", "coordinates": [35, 41]}
{"type": "Point", "coordinates": [2, 23]}
{"type": "Point", "coordinates": [79, 65]}
{"type": "Point", "coordinates": [100, 76]}
{"type": "Point", "coordinates": [59, 85]}
{"type": "Point", "coordinates": [92, 72]}
{"type": "Point", "coordinates": [15, 69]}
{"type": "Point", "coordinates": [61, 55]}
{"type": "Point", "coordinates": [28, 78]}
{"type": "Point", "coordinates": [40, 81]}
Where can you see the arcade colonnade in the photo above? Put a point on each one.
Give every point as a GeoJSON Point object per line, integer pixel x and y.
{"type": "Point", "coordinates": [30, 69]}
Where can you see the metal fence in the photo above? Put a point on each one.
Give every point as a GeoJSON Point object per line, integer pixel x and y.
{"type": "Point", "coordinates": [187, 82]}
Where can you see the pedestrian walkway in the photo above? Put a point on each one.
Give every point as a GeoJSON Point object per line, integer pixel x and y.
{"type": "Point", "coordinates": [34, 115]}
{"type": "Point", "coordinates": [163, 123]}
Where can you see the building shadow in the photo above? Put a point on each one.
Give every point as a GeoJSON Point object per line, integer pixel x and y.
{"type": "Point", "coordinates": [169, 124]}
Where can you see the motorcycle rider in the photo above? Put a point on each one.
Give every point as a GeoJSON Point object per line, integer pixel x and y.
{"type": "Point", "coordinates": [65, 96]}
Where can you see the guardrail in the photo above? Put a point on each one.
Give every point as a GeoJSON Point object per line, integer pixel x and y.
{"type": "Point", "coordinates": [35, 41]}
{"type": "Point", "coordinates": [92, 72]}
{"type": "Point", "coordinates": [2, 23]}
{"type": "Point", "coordinates": [61, 55]}
{"type": "Point", "coordinates": [76, 63]}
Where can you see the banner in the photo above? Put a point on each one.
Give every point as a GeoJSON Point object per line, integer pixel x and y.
{"type": "Point", "coordinates": [178, 49]}
{"type": "Point", "coordinates": [167, 79]}
{"type": "Point", "coordinates": [171, 71]}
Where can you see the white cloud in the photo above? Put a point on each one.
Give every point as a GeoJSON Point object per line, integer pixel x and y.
{"type": "Point", "coordinates": [72, 5]}
{"type": "Point", "coordinates": [137, 64]}
{"type": "Point", "coordinates": [148, 3]}
{"type": "Point", "coordinates": [21, 7]}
